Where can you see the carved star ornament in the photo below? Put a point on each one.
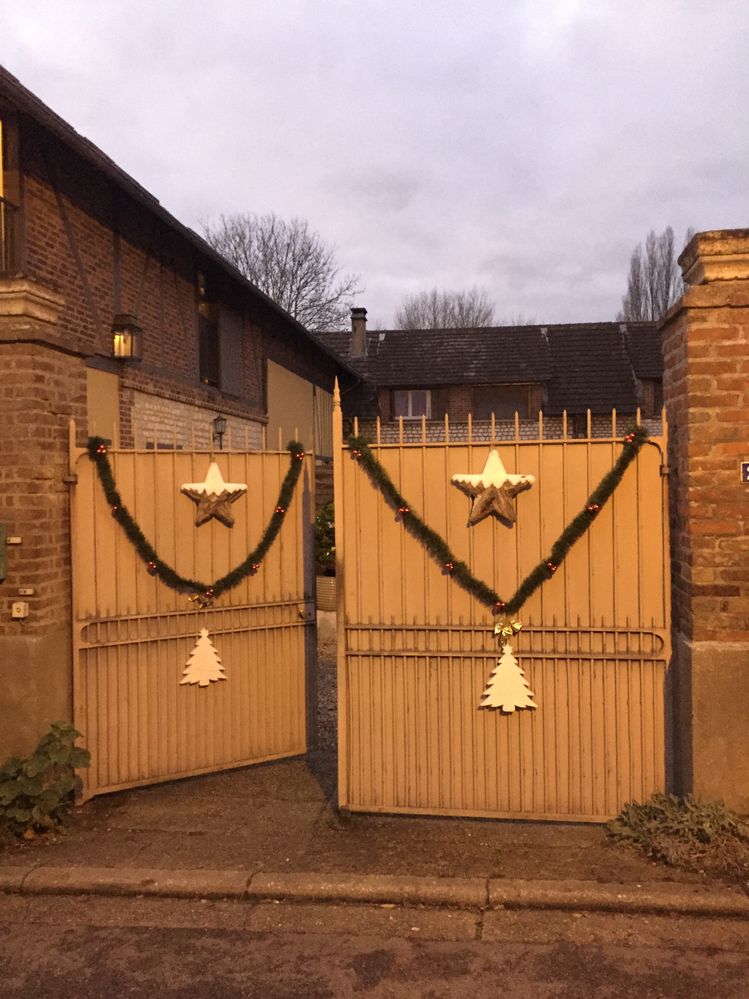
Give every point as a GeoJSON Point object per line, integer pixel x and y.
{"type": "Point", "coordinates": [493, 491]}
{"type": "Point", "coordinates": [214, 496]}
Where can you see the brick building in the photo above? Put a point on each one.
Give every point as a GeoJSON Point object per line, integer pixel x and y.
{"type": "Point", "coordinates": [93, 270]}
{"type": "Point", "coordinates": [550, 369]}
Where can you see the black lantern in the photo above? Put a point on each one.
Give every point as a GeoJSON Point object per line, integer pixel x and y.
{"type": "Point", "coordinates": [127, 337]}
{"type": "Point", "coordinates": [219, 429]}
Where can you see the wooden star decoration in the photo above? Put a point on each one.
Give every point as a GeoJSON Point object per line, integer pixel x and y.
{"type": "Point", "coordinates": [214, 496]}
{"type": "Point", "coordinates": [493, 491]}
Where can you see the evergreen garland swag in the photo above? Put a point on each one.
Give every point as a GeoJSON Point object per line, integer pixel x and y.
{"type": "Point", "coordinates": [437, 547]}
{"type": "Point", "coordinates": [203, 593]}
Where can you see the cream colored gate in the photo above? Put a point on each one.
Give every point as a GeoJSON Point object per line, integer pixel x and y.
{"type": "Point", "coordinates": [415, 650]}
{"type": "Point", "coordinates": [132, 635]}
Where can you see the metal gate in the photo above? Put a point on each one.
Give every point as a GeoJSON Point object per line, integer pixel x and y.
{"type": "Point", "coordinates": [415, 650]}
{"type": "Point", "coordinates": [132, 635]}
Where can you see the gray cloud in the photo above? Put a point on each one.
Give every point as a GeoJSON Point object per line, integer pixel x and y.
{"type": "Point", "coordinates": [526, 146]}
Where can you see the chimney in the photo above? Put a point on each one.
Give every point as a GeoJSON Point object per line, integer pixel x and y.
{"type": "Point", "coordinates": [358, 332]}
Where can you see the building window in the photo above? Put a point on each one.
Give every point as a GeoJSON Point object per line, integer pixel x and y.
{"type": "Point", "coordinates": [412, 404]}
{"type": "Point", "coordinates": [208, 335]}
{"type": "Point", "coordinates": [11, 217]}
{"type": "Point", "coordinates": [577, 425]}
{"type": "Point", "coordinates": [162, 446]}
{"type": "Point", "coordinates": [501, 400]}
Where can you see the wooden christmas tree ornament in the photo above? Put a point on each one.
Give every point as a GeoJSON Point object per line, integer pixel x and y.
{"type": "Point", "coordinates": [204, 663]}
{"type": "Point", "coordinates": [507, 688]}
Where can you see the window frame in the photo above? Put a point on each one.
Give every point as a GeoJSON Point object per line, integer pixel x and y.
{"type": "Point", "coordinates": [524, 414]}
{"type": "Point", "coordinates": [409, 395]}
{"type": "Point", "coordinates": [209, 340]}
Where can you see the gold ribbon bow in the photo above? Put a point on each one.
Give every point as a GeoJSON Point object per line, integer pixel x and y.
{"type": "Point", "coordinates": [203, 600]}
{"type": "Point", "coordinates": [507, 629]}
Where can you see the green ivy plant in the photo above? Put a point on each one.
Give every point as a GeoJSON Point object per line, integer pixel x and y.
{"type": "Point", "coordinates": [36, 792]}
{"type": "Point", "coordinates": [696, 835]}
{"type": "Point", "coordinates": [325, 540]}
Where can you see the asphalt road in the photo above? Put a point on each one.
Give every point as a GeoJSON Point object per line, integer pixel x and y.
{"type": "Point", "coordinates": [76, 947]}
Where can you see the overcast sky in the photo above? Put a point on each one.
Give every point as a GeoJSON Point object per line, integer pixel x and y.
{"type": "Point", "coordinates": [524, 146]}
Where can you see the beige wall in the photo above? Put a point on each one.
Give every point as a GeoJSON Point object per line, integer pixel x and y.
{"type": "Point", "coordinates": [291, 407]}
{"type": "Point", "coordinates": [103, 397]}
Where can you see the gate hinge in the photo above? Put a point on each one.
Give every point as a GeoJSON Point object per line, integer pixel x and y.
{"type": "Point", "coordinates": [71, 480]}
{"type": "Point", "coordinates": [665, 470]}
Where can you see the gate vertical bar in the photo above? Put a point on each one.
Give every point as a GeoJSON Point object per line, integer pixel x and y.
{"type": "Point", "coordinates": [338, 507]}
{"type": "Point", "coordinates": [79, 698]}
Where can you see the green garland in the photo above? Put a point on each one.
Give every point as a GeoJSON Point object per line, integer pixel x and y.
{"type": "Point", "coordinates": [201, 592]}
{"type": "Point", "coordinates": [459, 571]}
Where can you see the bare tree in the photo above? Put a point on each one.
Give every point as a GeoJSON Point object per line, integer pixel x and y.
{"type": "Point", "coordinates": [290, 263]}
{"type": "Point", "coordinates": [433, 310]}
{"type": "Point", "coordinates": [654, 282]}
{"type": "Point", "coordinates": [519, 319]}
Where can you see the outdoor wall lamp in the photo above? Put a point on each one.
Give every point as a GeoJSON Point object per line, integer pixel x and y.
{"type": "Point", "coordinates": [219, 429]}
{"type": "Point", "coordinates": [127, 337]}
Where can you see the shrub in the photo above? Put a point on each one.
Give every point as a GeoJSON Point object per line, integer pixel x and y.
{"type": "Point", "coordinates": [686, 832]}
{"type": "Point", "coordinates": [36, 792]}
{"type": "Point", "coordinates": [325, 540]}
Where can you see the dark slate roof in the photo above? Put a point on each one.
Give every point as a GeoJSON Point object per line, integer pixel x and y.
{"type": "Point", "coordinates": [644, 349]}
{"type": "Point", "coordinates": [489, 355]}
{"type": "Point", "coordinates": [583, 366]}
{"type": "Point", "coordinates": [591, 371]}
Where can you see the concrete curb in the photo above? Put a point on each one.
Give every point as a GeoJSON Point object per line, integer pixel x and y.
{"type": "Point", "coordinates": [662, 897]}
{"type": "Point", "coordinates": [460, 893]}
{"type": "Point", "coordinates": [134, 881]}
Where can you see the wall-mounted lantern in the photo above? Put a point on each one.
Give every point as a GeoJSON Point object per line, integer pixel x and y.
{"type": "Point", "coordinates": [127, 337]}
{"type": "Point", "coordinates": [219, 429]}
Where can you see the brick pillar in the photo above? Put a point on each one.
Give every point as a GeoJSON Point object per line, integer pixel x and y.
{"type": "Point", "coordinates": [706, 392]}
{"type": "Point", "coordinates": [42, 384]}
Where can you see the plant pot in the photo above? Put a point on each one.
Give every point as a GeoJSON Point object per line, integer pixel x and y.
{"type": "Point", "coordinates": [326, 593]}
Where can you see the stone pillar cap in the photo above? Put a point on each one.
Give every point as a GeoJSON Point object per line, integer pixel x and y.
{"type": "Point", "coordinates": [717, 255]}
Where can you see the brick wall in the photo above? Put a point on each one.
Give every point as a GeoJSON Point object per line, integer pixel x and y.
{"type": "Point", "coordinates": [706, 390]}
{"type": "Point", "coordinates": [172, 423]}
{"type": "Point", "coordinates": [107, 254]}
{"type": "Point", "coordinates": [41, 389]}
{"type": "Point", "coordinates": [93, 251]}
{"type": "Point", "coordinates": [481, 430]}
